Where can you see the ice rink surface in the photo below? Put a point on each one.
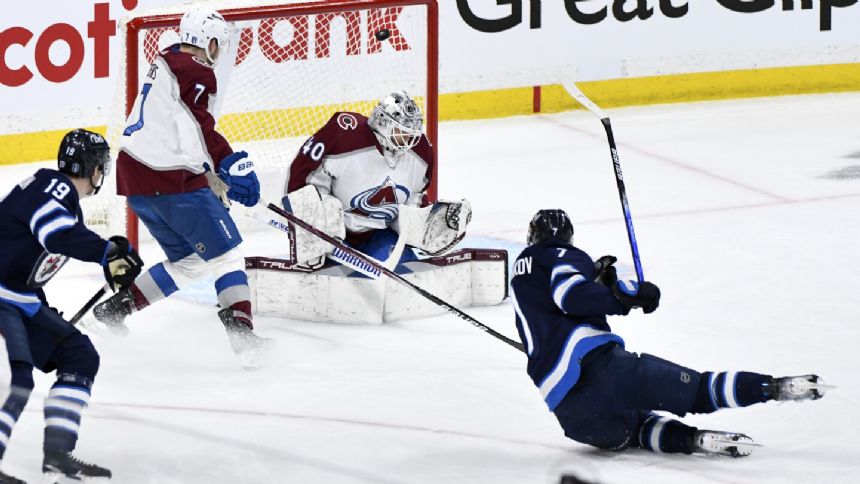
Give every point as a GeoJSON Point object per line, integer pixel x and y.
{"type": "Point", "coordinates": [748, 217]}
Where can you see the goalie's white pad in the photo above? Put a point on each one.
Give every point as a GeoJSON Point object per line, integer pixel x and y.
{"type": "Point", "coordinates": [467, 277]}
{"type": "Point", "coordinates": [436, 228]}
{"type": "Point", "coordinates": [322, 211]}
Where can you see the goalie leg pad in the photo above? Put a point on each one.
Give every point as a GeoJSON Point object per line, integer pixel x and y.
{"type": "Point", "coordinates": [471, 277]}
{"type": "Point", "coordinates": [316, 296]}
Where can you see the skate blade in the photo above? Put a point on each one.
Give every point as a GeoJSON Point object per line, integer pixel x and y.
{"type": "Point", "coordinates": [59, 478]}
{"type": "Point", "coordinates": [741, 447]}
{"type": "Point", "coordinates": [96, 327]}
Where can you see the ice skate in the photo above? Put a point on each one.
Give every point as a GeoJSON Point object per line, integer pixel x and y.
{"type": "Point", "coordinates": [250, 348]}
{"type": "Point", "coordinates": [113, 311]}
{"type": "Point", "coordinates": [7, 479]}
{"type": "Point", "coordinates": [723, 443]}
{"type": "Point", "coordinates": [61, 467]}
{"type": "Point", "coordinates": [804, 387]}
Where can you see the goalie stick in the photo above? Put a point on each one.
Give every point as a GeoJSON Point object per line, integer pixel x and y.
{"type": "Point", "coordinates": [336, 255]}
{"type": "Point", "coordinates": [89, 304]}
{"type": "Point", "coordinates": [364, 261]}
{"type": "Point", "coordinates": [577, 94]}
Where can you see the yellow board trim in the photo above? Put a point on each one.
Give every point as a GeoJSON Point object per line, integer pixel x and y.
{"type": "Point", "coordinates": [680, 88]}
{"type": "Point", "coordinates": [38, 146]}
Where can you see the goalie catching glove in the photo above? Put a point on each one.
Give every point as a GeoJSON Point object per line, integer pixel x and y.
{"type": "Point", "coordinates": [436, 228]}
{"type": "Point", "coordinates": [122, 263]}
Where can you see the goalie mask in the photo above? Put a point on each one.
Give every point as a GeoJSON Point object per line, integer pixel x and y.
{"type": "Point", "coordinates": [550, 223]}
{"type": "Point", "coordinates": [198, 27]}
{"type": "Point", "coordinates": [397, 122]}
{"type": "Point", "coordinates": [81, 152]}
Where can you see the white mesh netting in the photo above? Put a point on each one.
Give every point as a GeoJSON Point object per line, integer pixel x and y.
{"type": "Point", "coordinates": [292, 70]}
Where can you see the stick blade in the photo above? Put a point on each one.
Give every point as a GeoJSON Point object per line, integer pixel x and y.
{"type": "Point", "coordinates": [576, 93]}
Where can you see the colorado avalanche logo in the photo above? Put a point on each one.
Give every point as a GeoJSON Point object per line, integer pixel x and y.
{"type": "Point", "coordinates": [381, 203]}
{"type": "Point", "coordinates": [347, 121]}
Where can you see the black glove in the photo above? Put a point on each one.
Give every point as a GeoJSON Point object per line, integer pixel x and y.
{"type": "Point", "coordinates": [122, 263]}
{"type": "Point", "coordinates": [604, 271]}
{"type": "Point", "coordinates": [635, 295]}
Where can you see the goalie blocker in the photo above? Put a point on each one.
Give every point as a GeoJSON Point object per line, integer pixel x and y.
{"type": "Point", "coordinates": [467, 277]}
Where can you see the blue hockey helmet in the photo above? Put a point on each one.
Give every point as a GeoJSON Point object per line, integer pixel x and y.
{"type": "Point", "coordinates": [81, 152]}
{"type": "Point", "coordinates": [550, 223]}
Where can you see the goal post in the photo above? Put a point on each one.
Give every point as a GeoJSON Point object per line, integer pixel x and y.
{"type": "Point", "coordinates": [294, 64]}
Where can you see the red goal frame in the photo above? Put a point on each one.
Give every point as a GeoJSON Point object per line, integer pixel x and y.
{"type": "Point", "coordinates": [137, 25]}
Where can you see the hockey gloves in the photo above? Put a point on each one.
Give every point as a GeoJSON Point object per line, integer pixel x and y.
{"type": "Point", "coordinates": [604, 271]}
{"type": "Point", "coordinates": [632, 294]}
{"type": "Point", "coordinates": [238, 173]}
{"type": "Point", "coordinates": [122, 263]}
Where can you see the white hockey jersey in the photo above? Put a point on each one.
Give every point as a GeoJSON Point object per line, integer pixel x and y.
{"type": "Point", "coordinates": [344, 159]}
{"type": "Point", "coordinates": [170, 132]}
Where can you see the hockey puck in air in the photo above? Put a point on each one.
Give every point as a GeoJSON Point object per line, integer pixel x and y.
{"type": "Point", "coordinates": [383, 35]}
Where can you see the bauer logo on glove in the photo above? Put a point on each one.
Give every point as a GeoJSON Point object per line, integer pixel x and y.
{"type": "Point", "coordinates": [238, 173]}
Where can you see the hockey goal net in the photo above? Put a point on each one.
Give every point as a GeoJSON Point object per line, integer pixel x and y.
{"type": "Point", "coordinates": [294, 64]}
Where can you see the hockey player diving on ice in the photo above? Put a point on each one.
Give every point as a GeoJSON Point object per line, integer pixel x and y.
{"type": "Point", "coordinates": [41, 227]}
{"type": "Point", "coordinates": [179, 175]}
{"type": "Point", "coordinates": [601, 394]}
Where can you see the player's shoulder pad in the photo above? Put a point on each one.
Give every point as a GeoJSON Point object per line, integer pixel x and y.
{"type": "Point", "coordinates": [51, 184]}
{"type": "Point", "coordinates": [424, 150]}
{"type": "Point", "coordinates": [345, 132]}
{"type": "Point", "coordinates": [553, 252]}
{"type": "Point", "coordinates": [346, 121]}
{"type": "Point", "coordinates": [188, 68]}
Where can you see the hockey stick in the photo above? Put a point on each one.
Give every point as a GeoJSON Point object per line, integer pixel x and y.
{"type": "Point", "coordinates": [336, 255]}
{"type": "Point", "coordinates": [89, 304]}
{"type": "Point", "coordinates": [577, 94]}
{"type": "Point", "coordinates": [369, 261]}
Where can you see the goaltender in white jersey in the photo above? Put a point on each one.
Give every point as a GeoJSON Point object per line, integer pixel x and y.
{"type": "Point", "coordinates": [364, 180]}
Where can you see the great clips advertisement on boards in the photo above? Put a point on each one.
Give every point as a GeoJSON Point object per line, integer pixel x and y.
{"type": "Point", "coordinates": [57, 56]}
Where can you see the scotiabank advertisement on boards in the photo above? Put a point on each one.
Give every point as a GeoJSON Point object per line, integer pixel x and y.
{"type": "Point", "coordinates": [61, 57]}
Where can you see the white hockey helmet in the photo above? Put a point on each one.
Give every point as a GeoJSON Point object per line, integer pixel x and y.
{"type": "Point", "coordinates": [199, 26]}
{"type": "Point", "coordinates": [397, 122]}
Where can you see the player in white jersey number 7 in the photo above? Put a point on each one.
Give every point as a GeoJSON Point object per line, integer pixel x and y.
{"type": "Point", "coordinates": [602, 394]}
{"type": "Point", "coordinates": [167, 168]}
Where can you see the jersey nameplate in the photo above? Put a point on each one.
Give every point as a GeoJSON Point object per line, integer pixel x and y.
{"type": "Point", "coordinates": [523, 266]}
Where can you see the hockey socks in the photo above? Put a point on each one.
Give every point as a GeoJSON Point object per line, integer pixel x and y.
{"type": "Point", "coordinates": [19, 393]}
{"type": "Point", "coordinates": [63, 407]}
{"type": "Point", "coordinates": [666, 435]}
{"type": "Point", "coordinates": [10, 413]}
{"type": "Point", "coordinates": [730, 389]}
{"type": "Point", "coordinates": [153, 285]}
{"type": "Point", "coordinates": [234, 293]}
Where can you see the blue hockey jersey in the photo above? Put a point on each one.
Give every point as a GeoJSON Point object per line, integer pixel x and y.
{"type": "Point", "coordinates": [560, 314]}
{"type": "Point", "coordinates": [41, 226]}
